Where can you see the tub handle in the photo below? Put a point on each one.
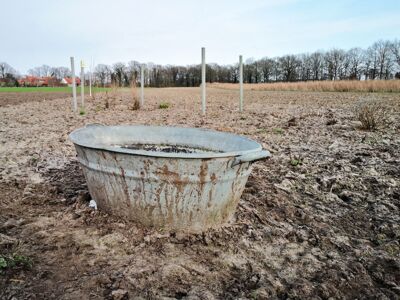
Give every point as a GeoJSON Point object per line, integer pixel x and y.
{"type": "Point", "coordinates": [251, 157]}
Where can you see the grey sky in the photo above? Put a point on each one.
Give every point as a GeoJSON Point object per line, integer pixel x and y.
{"type": "Point", "coordinates": [172, 32]}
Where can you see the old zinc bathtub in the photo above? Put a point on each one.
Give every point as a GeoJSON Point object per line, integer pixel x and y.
{"type": "Point", "coordinates": [189, 191]}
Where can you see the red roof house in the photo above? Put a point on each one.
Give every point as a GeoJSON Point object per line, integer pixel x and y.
{"type": "Point", "coordinates": [68, 81]}
{"type": "Point", "coordinates": [38, 81]}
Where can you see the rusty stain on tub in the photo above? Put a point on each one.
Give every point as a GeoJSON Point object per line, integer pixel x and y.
{"type": "Point", "coordinates": [125, 187]}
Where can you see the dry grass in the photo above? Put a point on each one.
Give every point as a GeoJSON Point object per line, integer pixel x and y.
{"type": "Point", "coordinates": [134, 95]}
{"type": "Point", "coordinates": [320, 86]}
{"type": "Point", "coordinates": [371, 114]}
{"type": "Point", "coordinates": [111, 96]}
{"type": "Point", "coordinates": [117, 95]}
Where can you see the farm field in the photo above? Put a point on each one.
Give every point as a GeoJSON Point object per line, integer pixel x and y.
{"type": "Point", "coordinates": [62, 89]}
{"type": "Point", "coordinates": [319, 219]}
{"type": "Point", "coordinates": [16, 95]}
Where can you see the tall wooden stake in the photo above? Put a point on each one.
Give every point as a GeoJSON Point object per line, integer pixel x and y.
{"type": "Point", "coordinates": [141, 85]}
{"type": "Point", "coordinates": [90, 78]}
{"type": "Point", "coordinates": [82, 84]}
{"type": "Point", "coordinates": [203, 81]}
{"type": "Point", "coordinates": [241, 83]}
{"type": "Point", "coordinates": [74, 103]}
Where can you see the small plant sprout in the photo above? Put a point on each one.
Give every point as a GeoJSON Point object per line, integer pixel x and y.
{"type": "Point", "coordinates": [22, 260]}
{"type": "Point", "coordinates": [261, 131]}
{"type": "Point", "coordinates": [34, 160]}
{"type": "Point", "coordinates": [15, 261]}
{"type": "Point", "coordinates": [98, 108]}
{"type": "Point", "coordinates": [163, 105]}
{"type": "Point", "coordinates": [277, 130]}
{"type": "Point", "coordinates": [3, 263]}
{"type": "Point", "coordinates": [296, 161]}
{"type": "Point", "coordinates": [82, 111]}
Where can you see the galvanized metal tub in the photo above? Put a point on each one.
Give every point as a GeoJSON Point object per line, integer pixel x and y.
{"type": "Point", "coordinates": [178, 191]}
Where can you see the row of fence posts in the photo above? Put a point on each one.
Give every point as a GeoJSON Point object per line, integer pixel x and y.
{"type": "Point", "coordinates": [203, 83]}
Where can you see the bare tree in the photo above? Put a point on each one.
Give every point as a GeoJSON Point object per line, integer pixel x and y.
{"type": "Point", "coordinates": [335, 62]}
{"type": "Point", "coordinates": [45, 70]}
{"type": "Point", "coordinates": [356, 59]}
{"type": "Point", "coordinates": [317, 65]}
{"type": "Point", "coordinates": [34, 72]}
{"type": "Point", "coordinates": [248, 71]}
{"type": "Point", "coordinates": [103, 74]}
{"type": "Point", "coordinates": [60, 72]}
{"type": "Point", "coordinates": [118, 75]}
{"type": "Point", "coordinates": [267, 68]}
{"type": "Point", "coordinates": [288, 65]}
{"type": "Point", "coordinates": [382, 52]}
{"type": "Point", "coordinates": [5, 69]}
{"type": "Point", "coordinates": [305, 67]}
{"type": "Point", "coordinates": [371, 63]}
{"type": "Point", "coordinates": [395, 48]}
{"type": "Point", "coordinates": [133, 70]}
{"type": "Point", "coordinates": [41, 71]}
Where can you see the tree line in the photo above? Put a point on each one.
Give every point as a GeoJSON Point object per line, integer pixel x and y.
{"type": "Point", "coordinates": [379, 61]}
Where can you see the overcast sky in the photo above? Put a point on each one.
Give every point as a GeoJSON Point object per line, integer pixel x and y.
{"type": "Point", "coordinates": [172, 32]}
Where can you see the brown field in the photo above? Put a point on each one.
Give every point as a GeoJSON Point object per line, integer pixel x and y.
{"type": "Point", "coordinates": [320, 86]}
{"type": "Point", "coordinates": [22, 97]}
{"type": "Point", "coordinates": [320, 219]}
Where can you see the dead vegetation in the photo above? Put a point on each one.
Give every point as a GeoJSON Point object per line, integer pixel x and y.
{"type": "Point", "coordinates": [117, 96]}
{"type": "Point", "coordinates": [371, 113]}
{"type": "Point", "coordinates": [111, 97]}
{"type": "Point", "coordinates": [134, 95]}
{"type": "Point", "coordinates": [321, 86]}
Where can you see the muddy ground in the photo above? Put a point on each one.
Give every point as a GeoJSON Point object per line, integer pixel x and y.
{"type": "Point", "coordinates": [320, 219]}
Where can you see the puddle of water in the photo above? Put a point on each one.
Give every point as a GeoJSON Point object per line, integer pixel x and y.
{"type": "Point", "coordinates": [166, 148]}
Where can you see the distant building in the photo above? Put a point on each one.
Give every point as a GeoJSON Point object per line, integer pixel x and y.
{"type": "Point", "coordinates": [38, 81]}
{"type": "Point", "coordinates": [68, 81]}
{"type": "Point", "coordinates": [29, 81]}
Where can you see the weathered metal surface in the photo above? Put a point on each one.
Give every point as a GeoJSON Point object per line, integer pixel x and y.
{"type": "Point", "coordinates": [180, 191]}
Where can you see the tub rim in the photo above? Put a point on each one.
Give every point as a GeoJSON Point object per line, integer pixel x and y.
{"type": "Point", "coordinates": [75, 138]}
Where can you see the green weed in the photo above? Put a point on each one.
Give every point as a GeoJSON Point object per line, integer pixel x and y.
{"type": "Point", "coordinates": [163, 105]}
{"type": "Point", "coordinates": [278, 130]}
{"type": "Point", "coordinates": [15, 261]}
{"type": "Point", "coordinates": [296, 162]}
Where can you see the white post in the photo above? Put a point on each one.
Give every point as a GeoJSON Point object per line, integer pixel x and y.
{"type": "Point", "coordinates": [203, 81]}
{"type": "Point", "coordinates": [82, 84]}
{"type": "Point", "coordinates": [90, 78]}
{"type": "Point", "coordinates": [142, 85]}
{"type": "Point", "coordinates": [74, 103]}
{"type": "Point", "coordinates": [241, 83]}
